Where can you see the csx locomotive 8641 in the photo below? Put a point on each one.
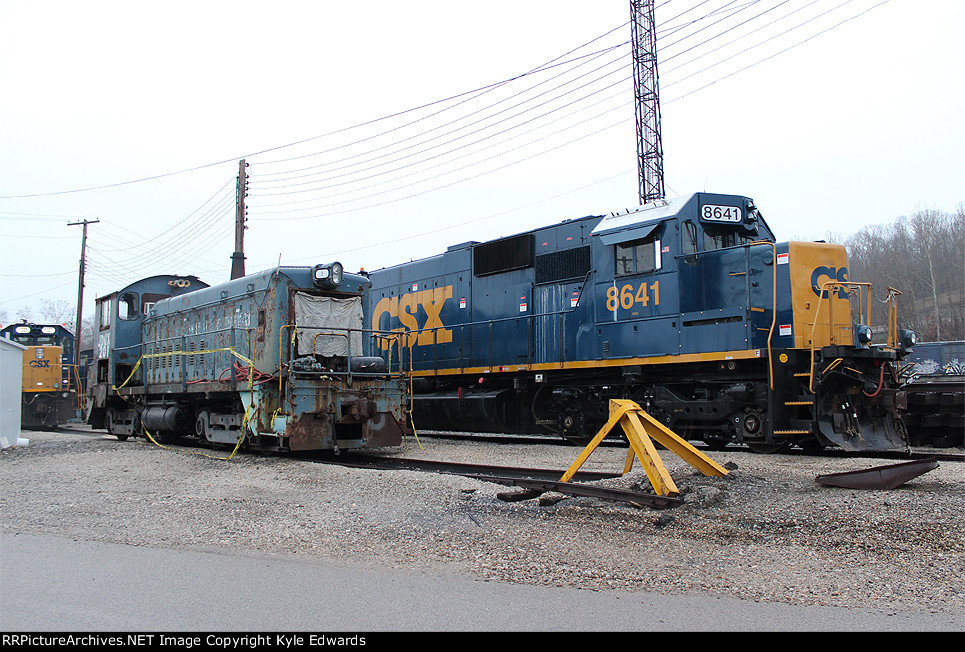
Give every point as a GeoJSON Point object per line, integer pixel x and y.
{"type": "Point", "coordinates": [49, 381]}
{"type": "Point", "coordinates": [689, 307]}
{"type": "Point", "coordinates": [272, 360]}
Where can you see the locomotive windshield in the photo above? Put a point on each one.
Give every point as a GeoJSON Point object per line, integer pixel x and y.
{"type": "Point", "coordinates": [720, 238]}
{"type": "Point", "coordinates": [328, 326]}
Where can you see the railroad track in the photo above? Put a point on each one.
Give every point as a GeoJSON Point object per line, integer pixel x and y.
{"type": "Point", "coordinates": [935, 413]}
{"type": "Point", "coordinates": [533, 482]}
{"type": "Point", "coordinates": [942, 454]}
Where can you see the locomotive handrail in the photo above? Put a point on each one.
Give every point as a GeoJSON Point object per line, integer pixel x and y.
{"type": "Point", "coordinates": [281, 330]}
{"type": "Point", "coordinates": [770, 332]}
{"type": "Point", "coordinates": [329, 331]}
{"type": "Point", "coordinates": [489, 322]}
{"type": "Point", "coordinates": [177, 343]}
{"type": "Point", "coordinates": [348, 355]}
{"type": "Point", "coordinates": [77, 388]}
{"type": "Point", "coordinates": [179, 352]}
{"type": "Point", "coordinates": [826, 290]}
{"type": "Point", "coordinates": [892, 317]}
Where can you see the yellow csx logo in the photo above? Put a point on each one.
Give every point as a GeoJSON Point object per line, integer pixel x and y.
{"type": "Point", "coordinates": [405, 309]}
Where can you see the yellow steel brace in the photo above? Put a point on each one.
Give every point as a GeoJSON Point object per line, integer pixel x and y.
{"type": "Point", "coordinates": [640, 428]}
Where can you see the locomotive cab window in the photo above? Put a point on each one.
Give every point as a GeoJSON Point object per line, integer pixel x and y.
{"type": "Point", "coordinates": [105, 320]}
{"type": "Point", "coordinates": [638, 256]}
{"type": "Point", "coordinates": [688, 243]}
{"type": "Point", "coordinates": [127, 306]}
{"type": "Point", "coordinates": [722, 237]}
{"type": "Point", "coordinates": [148, 302]}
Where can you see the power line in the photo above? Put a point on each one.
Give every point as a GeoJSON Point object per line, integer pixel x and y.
{"type": "Point", "coordinates": [200, 229]}
{"type": "Point", "coordinates": [262, 193]}
{"type": "Point", "coordinates": [279, 147]}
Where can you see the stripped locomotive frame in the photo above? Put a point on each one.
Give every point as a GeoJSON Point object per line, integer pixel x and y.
{"type": "Point", "coordinates": [272, 361]}
{"type": "Point", "coordinates": [688, 307]}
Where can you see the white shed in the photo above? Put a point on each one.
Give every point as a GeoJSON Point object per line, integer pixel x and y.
{"type": "Point", "coordinates": [11, 390]}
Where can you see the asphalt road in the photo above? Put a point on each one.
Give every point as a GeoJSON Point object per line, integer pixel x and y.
{"type": "Point", "coordinates": [52, 584]}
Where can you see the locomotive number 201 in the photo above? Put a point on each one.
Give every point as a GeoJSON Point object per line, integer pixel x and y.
{"type": "Point", "coordinates": [628, 295]}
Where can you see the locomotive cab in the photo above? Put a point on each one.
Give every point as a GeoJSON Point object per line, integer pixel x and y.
{"type": "Point", "coordinates": [115, 361]}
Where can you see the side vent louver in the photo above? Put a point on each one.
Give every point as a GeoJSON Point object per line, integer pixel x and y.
{"type": "Point", "coordinates": [503, 255]}
{"type": "Point", "coordinates": [566, 265]}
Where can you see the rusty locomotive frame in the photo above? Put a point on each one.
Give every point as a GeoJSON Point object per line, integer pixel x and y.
{"type": "Point", "coordinates": [272, 362]}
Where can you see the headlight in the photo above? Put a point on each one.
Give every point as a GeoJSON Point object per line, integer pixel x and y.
{"type": "Point", "coordinates": [908, 339]}
{"type": "Point", "coordinates": [864, 335]}
{"type": "Point", "coordinates": [327, 276]}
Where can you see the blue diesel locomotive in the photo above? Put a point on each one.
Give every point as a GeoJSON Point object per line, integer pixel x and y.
{"type": "Point", "coordinates": [688, 307]}
{"type": "Point", "coordinates": [272, 361]}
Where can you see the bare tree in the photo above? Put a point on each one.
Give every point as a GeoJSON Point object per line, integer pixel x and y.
{"type": "Point", "coordinates": [57, 311]}
{"type": "Point", "coordinates": [923, 258]}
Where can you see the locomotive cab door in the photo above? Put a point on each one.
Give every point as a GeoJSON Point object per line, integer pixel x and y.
{"type": "Point", "coordinates": [636, 308]}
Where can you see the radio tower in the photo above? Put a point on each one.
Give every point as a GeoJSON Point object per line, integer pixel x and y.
{"type": "Point", "coordinates": [646, 94]}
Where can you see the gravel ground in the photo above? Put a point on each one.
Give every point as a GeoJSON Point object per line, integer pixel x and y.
{"type": "Point", "coordinates": [765, 532]}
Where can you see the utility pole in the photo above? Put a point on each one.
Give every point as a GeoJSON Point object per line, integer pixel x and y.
{"type": "Point", "coordinates": [238, 257]}
{"type": "Point", "coordinates": [646, 92]}
{"type": "Point", "coordinates": [80, 291]}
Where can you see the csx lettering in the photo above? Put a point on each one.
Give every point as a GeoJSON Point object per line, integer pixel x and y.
{"type": "Point", "coordinates": [40, 364]}
{"type": "Point", "coordinates": [823, 274]}
{"type": "Point", "coordinates": [406, 310]}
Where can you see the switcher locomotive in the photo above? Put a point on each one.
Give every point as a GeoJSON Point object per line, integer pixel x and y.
{"type": "Point", "coordinates": [272, 361]}
{"type": "Point", "coordinates": [689, 307]}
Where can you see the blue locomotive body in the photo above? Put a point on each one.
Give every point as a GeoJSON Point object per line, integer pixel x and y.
{"type": "Point", "coordinates": [273, 359]}
{"type": "Point", "coordinates": [688, 306]}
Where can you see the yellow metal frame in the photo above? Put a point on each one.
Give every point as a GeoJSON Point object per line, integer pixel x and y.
{"type": "Point", "coordinates": [828, 288]}
{"type": "Point", "coordinates": [641, 429]}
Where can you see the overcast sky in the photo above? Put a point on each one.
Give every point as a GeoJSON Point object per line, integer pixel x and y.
{"type": "Point", "coordinates": [381, 132]}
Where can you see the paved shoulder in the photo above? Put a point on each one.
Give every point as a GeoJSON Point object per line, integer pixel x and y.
{"type": "Point", "coordinates": [58, 584]}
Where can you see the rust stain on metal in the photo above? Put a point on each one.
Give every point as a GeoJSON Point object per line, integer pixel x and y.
{"type": "Point", "coordinates": [879, 477]}
{"type": "Point", "coordinates": [382, 430]}
{"type": "Point", "coordinates": [311, 431]}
